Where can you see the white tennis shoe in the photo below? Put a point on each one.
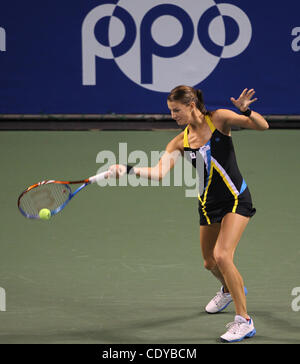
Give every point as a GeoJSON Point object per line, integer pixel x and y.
{"type": "Point", "coordinates": [220, 301]}
{"type": "Point", "coordinates": [238, 330]}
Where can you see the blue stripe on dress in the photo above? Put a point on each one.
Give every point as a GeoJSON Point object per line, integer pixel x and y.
{"type": "Point", "coordinates": [243, 187]}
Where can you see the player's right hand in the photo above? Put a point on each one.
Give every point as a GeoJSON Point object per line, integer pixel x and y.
{"type": "Point", "coordinates": [117, 170]}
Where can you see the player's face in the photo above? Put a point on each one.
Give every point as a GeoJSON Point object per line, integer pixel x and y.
{"type": "Point", "coordinates": [180, 113]}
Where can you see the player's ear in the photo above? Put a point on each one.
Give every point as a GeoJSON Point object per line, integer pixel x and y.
{"type": "Point", "coordinates": [193, 106]}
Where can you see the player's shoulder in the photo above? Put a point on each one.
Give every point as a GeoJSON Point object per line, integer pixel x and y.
{"type": "Point", "coordinates": [221, 115]}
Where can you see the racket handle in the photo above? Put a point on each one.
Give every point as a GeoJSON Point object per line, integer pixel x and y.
{"type": "Point", "coordinates": [99, 177]}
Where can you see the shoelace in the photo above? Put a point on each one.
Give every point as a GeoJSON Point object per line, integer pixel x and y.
{"type": "Point", "coordinates": [235, 327]}
{"type": "Point", "coordinates": [222, 298]}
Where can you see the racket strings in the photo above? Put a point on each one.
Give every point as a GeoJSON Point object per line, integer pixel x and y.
{"type": "Point", "coordinates": [50, 196]}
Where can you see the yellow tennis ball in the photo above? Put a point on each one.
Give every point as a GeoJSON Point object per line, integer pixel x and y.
{"type": "Point", "coordinates": [45, 214]}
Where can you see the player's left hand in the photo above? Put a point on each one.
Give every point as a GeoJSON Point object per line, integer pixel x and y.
{"type": "Point", "coordinates": [244, 100]}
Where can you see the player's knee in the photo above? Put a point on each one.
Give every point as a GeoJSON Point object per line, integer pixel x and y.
{"type": "Point", "coordinates": [222, 259]}
{"type": "Point", "coordinates": [209, 264]}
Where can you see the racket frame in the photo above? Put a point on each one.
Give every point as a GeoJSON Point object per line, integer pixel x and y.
{"type": "Point", "coordinates": [83, 182]}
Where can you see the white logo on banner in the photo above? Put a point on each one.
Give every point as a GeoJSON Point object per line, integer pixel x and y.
{"type": "Point", "coordinates": [2, 40]}
{"type": "Point", "coordinates": [159, 46]}
{"type": "Point", "coordinates": [296, 40]}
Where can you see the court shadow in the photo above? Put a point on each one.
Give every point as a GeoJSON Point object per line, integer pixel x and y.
{"type": "Point", "coordinates": [274, 321]}
{"type": "Point", "coordinates": [127, 333]}
{"type": "Point", "coordinates": [279, 326]}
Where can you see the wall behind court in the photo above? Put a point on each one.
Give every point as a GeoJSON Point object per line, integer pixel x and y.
{"type": "Point", "coordinates": [102, 57]}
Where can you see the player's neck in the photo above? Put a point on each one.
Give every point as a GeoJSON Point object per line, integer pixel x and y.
{"type": "Point", "coordinates": [198, 121]}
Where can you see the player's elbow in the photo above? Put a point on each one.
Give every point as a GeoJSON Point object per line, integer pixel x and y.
{"type": "Point", "coordinates": [156, 173]}
{"type": "Point", "coordinates": [264, 126]}
{"type": "Point", "coordinates": [261, 126]}
{"type": "Point", "coordinates": [161, 175]}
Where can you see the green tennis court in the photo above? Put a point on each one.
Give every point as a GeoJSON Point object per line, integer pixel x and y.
{"type": "Point", "coordinates": [123, 264]}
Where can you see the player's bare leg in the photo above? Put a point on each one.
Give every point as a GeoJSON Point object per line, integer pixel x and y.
{"type": "Point", "coordinates": [231, 230]}
{"type": "Point", "coordinates": [208, 239]}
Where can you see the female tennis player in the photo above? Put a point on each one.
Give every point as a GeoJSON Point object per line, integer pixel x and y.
{"type": "Point", "coordinates": [225, 206]}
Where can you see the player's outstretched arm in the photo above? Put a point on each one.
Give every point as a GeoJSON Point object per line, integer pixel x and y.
{"type": "Point", "coordinates": [165, 164]}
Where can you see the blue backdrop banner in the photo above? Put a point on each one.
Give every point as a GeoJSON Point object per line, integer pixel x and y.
{"type": "Point", "coordinates": [124, 56]}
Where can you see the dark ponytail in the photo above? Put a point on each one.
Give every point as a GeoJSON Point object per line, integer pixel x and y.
{"type": "Point", "coordinates": [200, 104]}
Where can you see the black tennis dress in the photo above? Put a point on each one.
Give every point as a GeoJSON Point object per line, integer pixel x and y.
{"type": "Point", "coordinates": [224, 190]}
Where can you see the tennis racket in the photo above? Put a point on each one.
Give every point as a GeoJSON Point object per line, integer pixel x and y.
{"type": "Point", "coordinates": [52, 195]}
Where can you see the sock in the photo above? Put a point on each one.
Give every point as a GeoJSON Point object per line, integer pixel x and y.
{"type": "Point", "coordinates": [225, 292]}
